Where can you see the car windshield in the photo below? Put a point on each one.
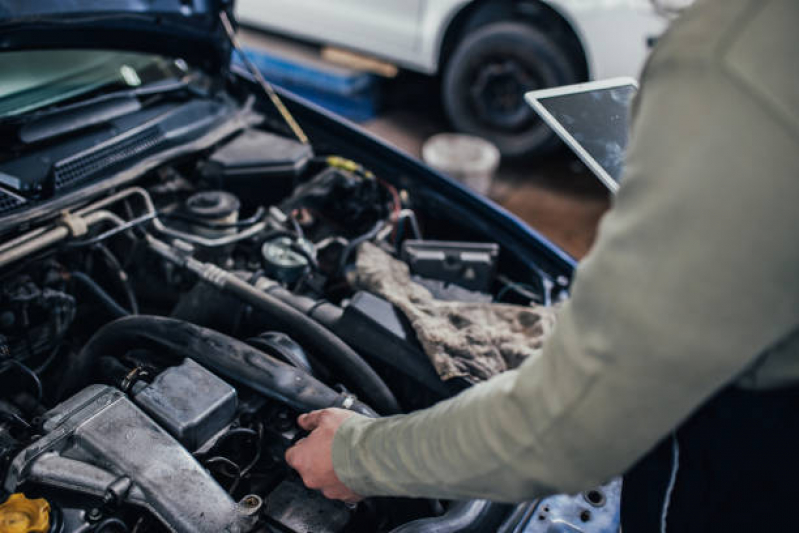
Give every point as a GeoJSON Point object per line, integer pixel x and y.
{"type": "Point", "coordinates": [35, 79]}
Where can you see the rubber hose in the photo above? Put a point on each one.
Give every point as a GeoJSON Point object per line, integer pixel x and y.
{"type": "Point", "coordinates": [472, 516]}
{"type": "Point", "coordinates": [110, 525]}
{"type": "Point", "coordinates": [227, 356]}
{"type": "Point", "coordinates": [321, 341]}
{"type": "Point", "coordinates": [281, 347]}
{"type": "Point", "coordinates": [108, 302]}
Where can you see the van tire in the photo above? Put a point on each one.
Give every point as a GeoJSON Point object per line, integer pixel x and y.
{"type": "Point", "coordinates": [486, 77]}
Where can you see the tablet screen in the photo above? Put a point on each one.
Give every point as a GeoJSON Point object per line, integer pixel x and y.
{"type": "Point", "coordinates": [598, 120]}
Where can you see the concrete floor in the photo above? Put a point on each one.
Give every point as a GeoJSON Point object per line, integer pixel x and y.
{"type": "Point", "coordinates": [555, 194]}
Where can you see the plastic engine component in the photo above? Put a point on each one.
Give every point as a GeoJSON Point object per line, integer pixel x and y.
{"type": "Point", "coordinates": [377, 328]}
{"type": "Point", "coordinates": [190, 402]}
{"type": "Point", "coordinates": [260, 163]}
{"type": "Point", "coordinates": [470, 265]}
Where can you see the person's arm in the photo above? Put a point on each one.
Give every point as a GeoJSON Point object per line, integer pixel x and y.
{"type": "Point", "coordinates": [694, 274]}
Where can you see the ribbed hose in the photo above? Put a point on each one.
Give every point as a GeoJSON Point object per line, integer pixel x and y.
{"type": "Point", "coordinates": [229, 357]}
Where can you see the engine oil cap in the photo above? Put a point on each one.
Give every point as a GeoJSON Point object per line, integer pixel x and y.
{"type": "Point", "coordinates": [22, 515]}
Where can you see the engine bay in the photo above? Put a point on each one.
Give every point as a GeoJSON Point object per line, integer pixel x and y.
{"type": "Point", "coordinates": [158, 342]}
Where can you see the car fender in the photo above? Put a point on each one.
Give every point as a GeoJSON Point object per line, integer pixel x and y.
{"type": "Point", "coordinates": [436, 19]}
{"type": "Point", "coordinates": [614, 34]}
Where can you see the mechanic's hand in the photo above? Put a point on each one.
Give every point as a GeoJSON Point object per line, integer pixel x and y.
{"type": "Point", "coordinates": [312, 457]}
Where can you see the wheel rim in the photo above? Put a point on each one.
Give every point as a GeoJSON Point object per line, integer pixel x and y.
{"type": "Point", "coordinates": [497, 94]}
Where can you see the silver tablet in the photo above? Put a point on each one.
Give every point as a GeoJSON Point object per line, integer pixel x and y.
{"type": "Point", "coordinates": [593, 120]}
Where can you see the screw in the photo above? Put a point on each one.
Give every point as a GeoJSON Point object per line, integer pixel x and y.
{"type": "Point", "coordinates": [250, 505]}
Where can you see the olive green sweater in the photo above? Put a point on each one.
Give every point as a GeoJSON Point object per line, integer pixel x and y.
{"type": "Point", "coordinates": [693, 284]}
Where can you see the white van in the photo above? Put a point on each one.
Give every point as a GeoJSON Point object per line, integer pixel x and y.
{"type": "Point", "coordinates": [487, 53]}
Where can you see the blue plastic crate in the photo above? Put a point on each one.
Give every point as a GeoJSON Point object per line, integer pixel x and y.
{"type": "Point", "coordinates": [351, 94]}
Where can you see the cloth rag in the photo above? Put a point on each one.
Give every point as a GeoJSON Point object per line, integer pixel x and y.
{"type": "Point", "coordinates": [473, 341]}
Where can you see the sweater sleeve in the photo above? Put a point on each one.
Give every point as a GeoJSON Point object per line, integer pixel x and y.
{"type": "Point", "coordinates": [694, 275]}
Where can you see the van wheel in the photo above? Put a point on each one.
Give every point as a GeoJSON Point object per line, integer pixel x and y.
{"type": "Point", "coordinates": [487, 76]}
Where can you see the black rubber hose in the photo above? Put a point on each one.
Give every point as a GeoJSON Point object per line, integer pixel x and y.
{"type": "Point", "coordinates": [229, 357]}
{"type": "Point", "coordinates": [472, 516]}
{"type": "Point", "coordinates": [319, 340]}
{"type": "Point", "coordinates": [111, 305]}
{"type": "Point", "coordinates": [110, 525]}
{"type": "Point", "coordinates": [281, 347]}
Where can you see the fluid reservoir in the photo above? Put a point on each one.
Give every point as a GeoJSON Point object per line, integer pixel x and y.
{"type": "Point", "coordinates": [213, 208]}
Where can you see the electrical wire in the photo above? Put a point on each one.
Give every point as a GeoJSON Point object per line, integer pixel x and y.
{"type": "Point", "coordinates": [296, 225]}
{"type": "Point", "coordinates": [235, 474]}
{"type": "Point", "coordinates": [514, 286]}
{"type": "Point", "coordinates": [8, 364]}
{"type": "Point", "coordinates": [106, 299]}
{"type": "Point", "coordinates": [258, 447]}
{"type": "Point", "coordinates": [299, 249]}
{"type": "Point", "coordinates": [15, 418]}
{"type": "Point", "coordinates": [124, 279]}
{"type": "Point", "coordinates": [355, 243]}
{"type": "Point", "coordinates": [675, 467]}
{"type": "Point", "coordinates": [44, 365]}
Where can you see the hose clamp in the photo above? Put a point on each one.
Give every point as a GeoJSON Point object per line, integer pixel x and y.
{"type": "Point", "coordinates": [347, 401]}
{"type": "Point", "coordinates": [75, 224]}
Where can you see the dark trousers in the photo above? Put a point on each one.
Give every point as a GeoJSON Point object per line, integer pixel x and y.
{"type": "Point", "coordinates": [737, 469]}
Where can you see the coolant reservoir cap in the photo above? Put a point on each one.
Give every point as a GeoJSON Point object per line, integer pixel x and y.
{"type": "Point", "coordinates": [21, 515]}
{"type": "Point", "coordinates": [283, 261]}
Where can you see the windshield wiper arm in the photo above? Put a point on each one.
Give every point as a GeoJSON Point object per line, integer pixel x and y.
{"type": "Point", "coordinates": [91, 112]}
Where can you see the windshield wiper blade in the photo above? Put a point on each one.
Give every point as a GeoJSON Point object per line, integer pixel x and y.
{"type": "Point", "coordinates": [99, 109]}
{"type": "Point", "coordinates": [55, 125]}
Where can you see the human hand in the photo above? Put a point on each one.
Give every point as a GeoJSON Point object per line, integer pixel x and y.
{"type": "Point", "coordinates": [312, 457]}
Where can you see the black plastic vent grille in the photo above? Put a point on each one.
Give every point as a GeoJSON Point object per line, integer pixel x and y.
{"type": "Point", "coordinates": [9, 202]}
{"type": "Point", "coordinates": [74, 171]}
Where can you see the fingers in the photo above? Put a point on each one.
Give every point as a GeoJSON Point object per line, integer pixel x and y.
{"type": "Point", "coordinates": [310, 421]}
{"type": "Point", "coordinates": [292, 454]}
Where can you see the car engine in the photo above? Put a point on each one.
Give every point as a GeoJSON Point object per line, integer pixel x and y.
{"type": "Point", "coordinates": [158, 341]}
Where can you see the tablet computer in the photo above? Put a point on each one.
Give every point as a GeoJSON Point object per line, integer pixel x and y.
{"type": "Point", "coordinates": [593, 120]}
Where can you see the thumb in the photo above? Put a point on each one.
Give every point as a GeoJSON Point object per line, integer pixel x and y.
{"type": "Point", "coordinates": [310, 421]}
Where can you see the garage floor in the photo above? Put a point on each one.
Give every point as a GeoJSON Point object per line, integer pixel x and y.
{"type": "Point", "coordinates": [554, 194]}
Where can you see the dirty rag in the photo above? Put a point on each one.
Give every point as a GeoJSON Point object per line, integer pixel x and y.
{"type": "Point", "coordinates": [473, 341]}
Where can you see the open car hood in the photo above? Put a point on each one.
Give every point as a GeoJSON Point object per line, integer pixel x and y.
{"type": "Point", "coordinates": [189, 29]}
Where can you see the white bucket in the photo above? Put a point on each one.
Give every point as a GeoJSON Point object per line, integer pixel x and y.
{"type": "Point", "coordinates": [470, 160]}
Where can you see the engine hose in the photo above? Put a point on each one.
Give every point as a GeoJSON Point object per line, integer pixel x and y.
{"type": "Point", "coordinates": [472, 516]}
{"type": "Point", "coordinates": [110, 525]}
{"type": "Point", "coordinates": [111, 305]}
{"type": "Point", "coordinates": [281, 347]}
{"type": "Point", "coordinates": [305, 330]}
{"type": "Point", "coordinates": [319, 340]}
{"type": "Point", "coordinates": [229, 357]}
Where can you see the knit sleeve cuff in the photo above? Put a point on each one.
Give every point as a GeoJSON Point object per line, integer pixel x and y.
{"type": "Point", "coordinates": [345, 461]}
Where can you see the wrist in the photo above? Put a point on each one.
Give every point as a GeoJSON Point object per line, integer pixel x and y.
{"type": "Point", "coordinates": [345, 450]}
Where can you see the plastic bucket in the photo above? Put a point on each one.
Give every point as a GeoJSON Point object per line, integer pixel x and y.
{"type": "Point", "coordinates": [470, 160]}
